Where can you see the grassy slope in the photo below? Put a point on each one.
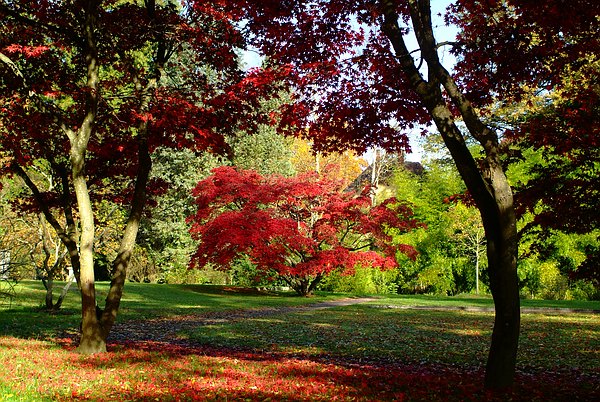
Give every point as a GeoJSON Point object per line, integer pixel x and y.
{"type": "Point", "coordinates": [141, 301]}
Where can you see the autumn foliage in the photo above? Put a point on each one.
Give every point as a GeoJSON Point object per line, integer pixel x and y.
{"type": "Point", "coordinates": [298, 229]}
{"type": "Point", "coordinates": [91, 89]}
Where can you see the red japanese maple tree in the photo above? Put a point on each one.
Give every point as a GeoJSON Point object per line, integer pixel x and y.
{"type": "Point", "coordinates": [94, 87]}
{"type": "Point", "coordinates": [359, 82]}
{"type": "Point", "coordinates": [296, 228]}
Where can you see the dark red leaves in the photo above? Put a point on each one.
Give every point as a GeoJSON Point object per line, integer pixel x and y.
{"type": "Point", "coordinates": [167, 72]}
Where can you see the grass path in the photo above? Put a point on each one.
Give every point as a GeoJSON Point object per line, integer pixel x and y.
{"type": "Point", "coordinates": [167, 329]}
{"type": "Point", "coordinates": [524, 310]}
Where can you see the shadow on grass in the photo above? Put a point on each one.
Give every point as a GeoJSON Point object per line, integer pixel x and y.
{"type": "Point", "coordinates": [350, 353]}
{"type": "Point", "coordinates": [150, 371]}
{"type": "Point", "coordinates": [449, 337]}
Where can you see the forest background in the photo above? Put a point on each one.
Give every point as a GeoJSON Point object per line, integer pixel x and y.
{"type": "Point", "coordinates": [552, 264]}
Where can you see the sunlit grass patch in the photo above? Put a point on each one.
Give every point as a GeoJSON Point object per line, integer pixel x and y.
{"type": "Point", "coordinates": [448, 337]}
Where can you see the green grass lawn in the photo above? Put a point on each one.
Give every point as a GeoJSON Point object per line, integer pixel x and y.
{"type": "Point", "coordinates": [380, 350]}
{"type": "Point", "coordinates": [371, 333]}
{"type": "Point", "coordinates": [26, 319]}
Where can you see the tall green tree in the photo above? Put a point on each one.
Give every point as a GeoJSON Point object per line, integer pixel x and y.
{"type": "Point", "coordinates": [266, 152]}
{"type": "Point", "coordinates": [453, 237]}
{"type": "Point", "coordinates": [164, 232]}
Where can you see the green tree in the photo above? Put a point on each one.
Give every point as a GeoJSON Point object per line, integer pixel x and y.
{"type": "Point", "coordinates": [468, 232]}
{"type": "Point", "coordinates": [266, 152]}
{"type": "Point", "coordinates": [164, 232]}
{"type": "Point", "coordinates": [451, 247]}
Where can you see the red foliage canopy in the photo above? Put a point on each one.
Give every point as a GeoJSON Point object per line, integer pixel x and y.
{"type": "Point", "coordinates": [173, 69]}
{"type": "Point", "coordinates": [299, 228]}
{"type": "Point", "coordinates": [351, 87]}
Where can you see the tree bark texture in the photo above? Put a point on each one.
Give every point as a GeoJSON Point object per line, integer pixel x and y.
{"type": "Point", "coordinates": [487, 183]}
{"type": "Point", "coordinates": [92, 339]}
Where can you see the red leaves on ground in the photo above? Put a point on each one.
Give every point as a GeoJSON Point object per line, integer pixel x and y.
{"type": "Point", "coordinates": [150, 371]}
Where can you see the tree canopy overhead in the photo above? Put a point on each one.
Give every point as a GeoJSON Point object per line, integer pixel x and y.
{"type": "Point", "coordinates": [359, 84]}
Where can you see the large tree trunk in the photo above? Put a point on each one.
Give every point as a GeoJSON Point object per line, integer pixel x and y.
{"type": "Point", "coordinates": [487, 184]}
{"type": "Point", "coordinates": [92, 339]}
{"type": "Point", "coordinates": [501, 232]}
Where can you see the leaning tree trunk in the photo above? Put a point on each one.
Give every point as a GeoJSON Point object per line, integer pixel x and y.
{"type": "Point", "coordinates": [487, 183]}
{"type": "Point", "coordinates": [49, 273]}
{"type": "Point", "coordinates": [92, 339]}
{"type": "Point", "coordinates": [121, 262]}
{"type": "Point", "coordinates": [493, 196]}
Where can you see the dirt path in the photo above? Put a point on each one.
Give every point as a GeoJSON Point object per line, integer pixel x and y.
{"type": "Point", "coordinates": [167, 329]}
{"type": "Point", "coordinates": [524, 310]}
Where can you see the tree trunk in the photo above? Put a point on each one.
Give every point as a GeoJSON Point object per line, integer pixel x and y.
{"type": "Point", "coordinates": [121, 262]}
{"type": "Point", "coordinates": [92, 338]}
{"type": "Point", "coordinates": [47, 273]}
{"type": "Point", "coordinates": [63, 293]}
{"type": "Point", "coordinates": [477, 253]}
{"type": "Point", "coordinates": [502, 259]}
{"type": "Point", "coordinates": [495, 204]}
{"type": "Point", "coordinates": [487, 184]}
{"type": "Point", "coordinates": [313, 284]}
{"type": "Point", "coordinates": [49, 285]}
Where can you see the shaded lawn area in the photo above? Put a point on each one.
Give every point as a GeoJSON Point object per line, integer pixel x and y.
{"type": "Point", "coordinates": [140, 301]}
{"type": "Point", "coordinates": [362, 352]}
